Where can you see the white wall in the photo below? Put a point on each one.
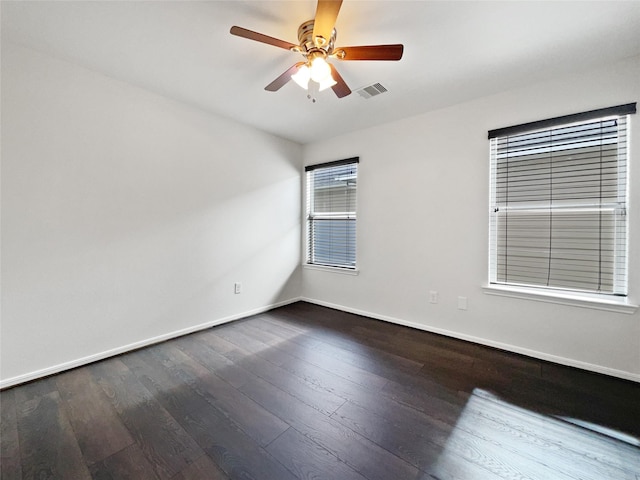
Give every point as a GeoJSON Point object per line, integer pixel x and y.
{"type": "Point", "coordinates": [127, 217]}
{"type": "Point", "coordinates": [423, 225]}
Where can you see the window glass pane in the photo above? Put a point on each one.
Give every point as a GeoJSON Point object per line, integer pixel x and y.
{"type": "Point", "coordinates": [334, 189]}
{"type": "Point", "coordinates": [573, 250]}
{"type": "Point", "coordinates": [559, 213]}
{"type": "Point", "coordinates": [331, 215]}
{"type": "Point", "coordinates": [334, 242]}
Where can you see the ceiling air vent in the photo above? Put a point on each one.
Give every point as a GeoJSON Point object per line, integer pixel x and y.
{"type": "Point", "coordinates": [372, 90]}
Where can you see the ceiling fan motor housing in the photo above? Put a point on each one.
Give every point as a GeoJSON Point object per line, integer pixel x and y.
{"type": "Point", "coordinates": [308, 44]}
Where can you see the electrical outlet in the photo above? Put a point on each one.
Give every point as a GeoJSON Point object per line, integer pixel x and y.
{"type": "Point", "coordinates": [462, 303]}
{"type": "Point", "coordinates": [237, 287]}
{"type": "Point", "coordinates": [433, 296]}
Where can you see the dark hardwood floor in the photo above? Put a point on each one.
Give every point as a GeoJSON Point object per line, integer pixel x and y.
{"type": "Point", "coordinates": [306, 392]}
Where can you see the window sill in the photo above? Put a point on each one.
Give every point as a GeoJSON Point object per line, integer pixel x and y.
{"type": "Point", "coordinates": [593, 301]}
{"type": "Point", "coordinates": [326, 268]}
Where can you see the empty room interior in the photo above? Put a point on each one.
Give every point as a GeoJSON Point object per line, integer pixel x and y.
{"type": "Point", "coordinates": [278, 240]}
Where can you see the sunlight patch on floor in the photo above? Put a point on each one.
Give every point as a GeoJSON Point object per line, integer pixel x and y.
{"type": "Point", "coordinates": [508, 440]}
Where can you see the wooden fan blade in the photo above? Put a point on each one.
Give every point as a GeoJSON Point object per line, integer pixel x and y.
{"type": "Point", "coordinates": [370, 52]}
{"type": "Point", "coordinates": [325, 20]}
{"type": "Point", "coordinates": [282, 80]}
{"type": "Point", "coordinates": [259, 37]}
{"type": "Point", "coordinates": [341, 89]}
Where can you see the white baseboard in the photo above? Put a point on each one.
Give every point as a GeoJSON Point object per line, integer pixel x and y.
{"type": "Point", "coordinates": [10, 382]}
{"type": "Point", "coordinates": [45, 372]}
{"type": "Point", "coordinates": [483, 341]}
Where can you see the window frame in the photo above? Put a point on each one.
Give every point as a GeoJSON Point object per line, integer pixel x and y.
{"type": "Point", "coordinates": [555, 294]}
{"type": "Point", "coordinates": [312, 215]}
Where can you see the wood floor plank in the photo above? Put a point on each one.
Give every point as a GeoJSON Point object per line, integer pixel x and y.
{"type": "Point", "coordinates": [328, 381]}
{"type": "Point", "coordinates": [176, 396]}
{"type": "Point", "coordinates": [276, 352]}
{"type": "Point", "coordinates": [448, 410]}
{"type": "Point", "coordinates": [495, 424]}
{"type": "Point", "coordinates": [321, 380]}
{"type": "Point", "coordinates": [241, 339]}
{"type": "Point", "coordinates": [475, 457]}
{"type": "Point", "coordinates": [127, 464]}
{"type": "Point", "coordinates": [359, 453]}
{"type": "Point", "coordinates": [318, 398]}
{"type": "Point", "coordinates": [474, 432]}
{"type": "Point", "coordinates": [396, 366]}
{"type": "Point", "coordinates": [408, 347]}
{"type": "Point", "coordinates": [220, 345]}
{"type": "Point", "coordinates": [277, 324]}
{"type": "Point", "coordinates": [450, 389]}
{"type": "Point", "coordinates": [459, 350]}
{"type": "Point", "coordinates": [315, 393]}
{"type": "Point", "coordinates": [374, 360]}
{"type": "Point", "coordinates": [159, 436]}
{"type": "Point", "coordinates": [247, 343]}
{"type": "Point", "coordinates": [335, 365]}
{"type": "Point", "coordinates": [217, 363]}
{"type": "Point", "coordinates": [37, 389]}
{"type": "Point", "coordinates": [237, 454]}
{"type": "Point", "coordinates": [592, 383]}
{"type": "Point", "coordinates": [255, 328]}
{"type": "Point", "coordinates": [168, 353]}
{"type": "Point", "coordinates": [96, 424]}
{"type": "Point", "coordinates": [460, 378]}
{"type": "Point", "coordinates": [203, 468]}
{"type": "Point", "coordinates": [48, 446]}
{"type": "Point", "coordinates": [443, 406]}
{"type": "Point", "coordinates": [356, 350]}
{"type": "Point", "coordinates": [306, 351]}
{"type": "Point", "coordinates": [252, 418]}
{"type": "Point", "coordinates": [10, 467]}
{"type": "Point", "coordinates": [307, 459]}
{"type": "Point", "coordinates": [578, 443]}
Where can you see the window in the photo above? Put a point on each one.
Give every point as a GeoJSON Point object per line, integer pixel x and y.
{"type": "Point", "coordinates": [331, 213]}
{"type": "Point", "coordinates": [559, 215]}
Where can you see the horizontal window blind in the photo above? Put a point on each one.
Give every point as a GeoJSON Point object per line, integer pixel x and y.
{"type": "Point", "coordinates": [331, 213]}
{"type": "Point", "coordinates": [559, 204]}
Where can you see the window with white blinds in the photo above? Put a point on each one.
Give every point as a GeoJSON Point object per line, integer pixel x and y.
{"type": "Point", "coordinates": [558, 216]}
{"type": "Point", "coordinates": [331, 213]}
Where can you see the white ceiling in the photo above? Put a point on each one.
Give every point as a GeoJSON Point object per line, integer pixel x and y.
{"type": "Point", "coordinates": [454, 51]}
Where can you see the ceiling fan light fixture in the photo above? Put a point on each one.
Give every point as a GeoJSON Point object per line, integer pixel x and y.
{"type": "Point", "coordinates": [302, 76]}
{"type": "Point", "coordinates": [320, 69]}
{"type": "Point", "coordinates": [327, 83]}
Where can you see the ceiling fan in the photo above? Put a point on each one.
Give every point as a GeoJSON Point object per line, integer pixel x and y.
{"type": "Point", "coordinates": [316, 40]}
